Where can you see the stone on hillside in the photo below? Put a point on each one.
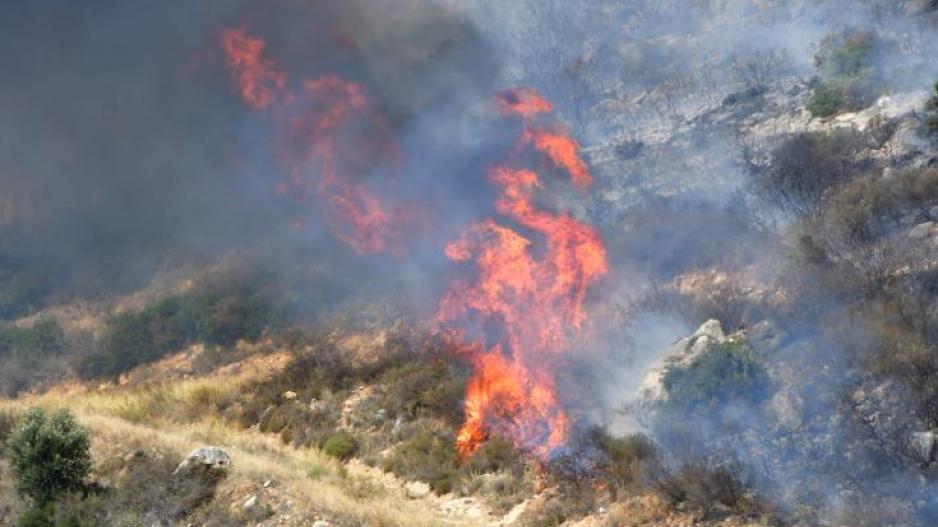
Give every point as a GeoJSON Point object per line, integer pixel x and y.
{"type": "Point", "coordinates": [321, 523]}
{"type": "Point", "coordinates": [681, 353]}
{"type": "Point", "coordinates": [250, 503]}
{"type": "Point", "coordinates": [209, 458]}
{"type": "Point", "coordinates": [289, 395]}
{"type": "Point", "coordinates": [922, 230]}
{"type": "Point", "coordinates": [417, 490]}
{"type": "Point", "coordinates": [923, 445]}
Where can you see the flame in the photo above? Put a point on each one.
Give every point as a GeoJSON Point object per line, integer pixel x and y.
{"type": "Point", "coordinates": [257, 78]}
{"type": "Point", "coordinates": [563, 151]}
{"type": "Point", "coordinates": [534, 288]}
{"type": "Point", "coordinates": [554, 142]}
{"type": "Point", "coordinates": [328, 116]}
{"type": "Point", "coordinates": [523, 102]}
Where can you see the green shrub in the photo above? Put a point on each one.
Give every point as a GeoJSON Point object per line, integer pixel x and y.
{"type": "Point", "coordinates": [37, 517]}
{"type": "Point", "coordinates": [727, 372]}
{"type": "Point", "coordinates": [217, 313]}
{"type": "Point", "coordinates": [42, 340]}
{"type": "Point", "coordinates": [48, 456]}
{"type": "Point", "coordinates": [341, 446]}
{"type": "Point", "coordinates": [427, 456]}
{"type": "Point", "coordinates": [827, 99]}
{"type": "Point", "coordinates": [849, 81]}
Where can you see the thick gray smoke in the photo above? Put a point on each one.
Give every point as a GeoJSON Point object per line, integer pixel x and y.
{"type": "Point", "coordinates": [126, 149]}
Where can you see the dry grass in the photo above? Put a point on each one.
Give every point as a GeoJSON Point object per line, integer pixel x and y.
{"type": "Point", "coordinates": [179, 417]}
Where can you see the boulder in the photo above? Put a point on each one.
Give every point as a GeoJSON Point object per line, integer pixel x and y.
{"type": "Point", "coordinates": [417, 490]}
{"type": "Point", "coordinates": [207, 458]}
{"type": "Point", "coordinates": [681, 353]}
{"type": "Point", "coordinates": [250, 503]}
{"type": "Point", "coordinates": [922, 230]}
{"type": "Point", "coordinates": [922, 445]}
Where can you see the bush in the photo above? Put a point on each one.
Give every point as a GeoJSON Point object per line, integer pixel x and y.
{"type": "Point", "coordinates": [708, 489]}
{"type": "Point", "coordinates": [727, 372]}
{"type": "Point", "coordinates": [427, 456]}
{"type": "Point", "coordinates": [849, 80]}
{"type": "Point", "coordinates": [42, 340]}
{"type": "Point", "coordinates": [932, 120]}
{"type": "Point", "coordinates": [218, 313]}
{"type": "Point", "coordinates": [827, 99]}
{"type": "Point", "coordinates": [625, 461]}
{"type": "Point", "coordinates": [805, 168]}
{"type": "Point", "coordinates": [341, 446]}
{"type": "Point", "coordinates": [48, 457]}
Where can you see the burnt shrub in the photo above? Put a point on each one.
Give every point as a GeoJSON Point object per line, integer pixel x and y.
{"type": "Point", "coordinates": [728, 372]}
{"type": "Point", "coordinates": [710, 489]}
{"type": "Point", "coordinates": [626, 462]}
{"type": "Point", "coordinates": [805, 167]}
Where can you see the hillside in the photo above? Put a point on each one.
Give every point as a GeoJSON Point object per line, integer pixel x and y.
{"type": "Point", "coordinates": [643, 263]}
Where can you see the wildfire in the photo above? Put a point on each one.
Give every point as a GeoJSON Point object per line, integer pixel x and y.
{"type": "Point", "coordinates": [532, 268]}
{"type": "Point", "coordinates": [534, 291]}
{"type": "Point", "coordinates": [329, 116]}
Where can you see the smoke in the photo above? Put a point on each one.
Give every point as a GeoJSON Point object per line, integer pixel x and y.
{"type": "Point", "coordinates": [128, 147]}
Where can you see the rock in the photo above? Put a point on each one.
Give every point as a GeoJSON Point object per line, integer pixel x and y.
{"type": "Point", "coordinates": [250, 503]}
{"type": "Point", "coordinates": [682, 352]}
{"type": "Point", "coordinates": [398, 427]}
{"type": "Point", "coordinates": [787, 407]}
{"type": "Point", "coordinates": [463, 507]}
{"type": "Point", "coordinates": [211, 458]}
{"type": "Point", "coordinates": [289, 395]}
{"type": "Point", "coordinates": [417, 490]}
{"type": "Point", "coordinates": [922, 230]}
{"type": "Point", "coordinates": [268, 484]}
{"type": "Point", "coordinates": [923, 445]}
{"type": "Point", "coordinates": [321, 523]}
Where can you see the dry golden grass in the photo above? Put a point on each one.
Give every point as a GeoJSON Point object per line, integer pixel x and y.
{"type": "Point", "coordinates": [180, 416]}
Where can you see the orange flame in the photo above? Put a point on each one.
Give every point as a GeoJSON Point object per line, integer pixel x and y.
{"type": "Point", "coordinates": [257, 78]}
{"type": "Point", "coordinates": [563, 151]}
{"type": "Point", "coordinates": [538, 301]}
{"type": "Point", "coordinates": [330, 115]}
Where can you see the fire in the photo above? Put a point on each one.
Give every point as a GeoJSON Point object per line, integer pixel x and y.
{"type": "Point", "coordinates": [256, 77]}
{"type": "Point", "coordinates": [554, 142]}
{"type": "Point", "coordinates": [328, 117]}
{"type": "Point", "coordinates": [563, 151]}
{"type": "Point", "coordinates": [533, 286]}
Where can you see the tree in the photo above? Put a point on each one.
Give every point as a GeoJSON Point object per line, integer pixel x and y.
{"type": "Point", "coordinates": [48, 456]}
{"type": "Point", "coordinates": [804, 168]}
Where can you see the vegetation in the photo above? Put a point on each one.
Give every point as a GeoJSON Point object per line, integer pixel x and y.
{"type": "Point", "coordinates": [49, 456]}
{"type": "Point", "coordinates": [728, 372]}
{"type": "Point", "coordinates": [35, 343]}
{"type": "Point", "coordinates": [217, 313]}
{"type": "Point", "coordinates": [804, 168]}
{"type": "Point", "coordinates": [849, 79]}
{"type": "Point", "coordinates": [712, 490]}
{"type": "Point", "coordinates": [932, 109]}
{"type": "Point", "coordinates": [341, 446]}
